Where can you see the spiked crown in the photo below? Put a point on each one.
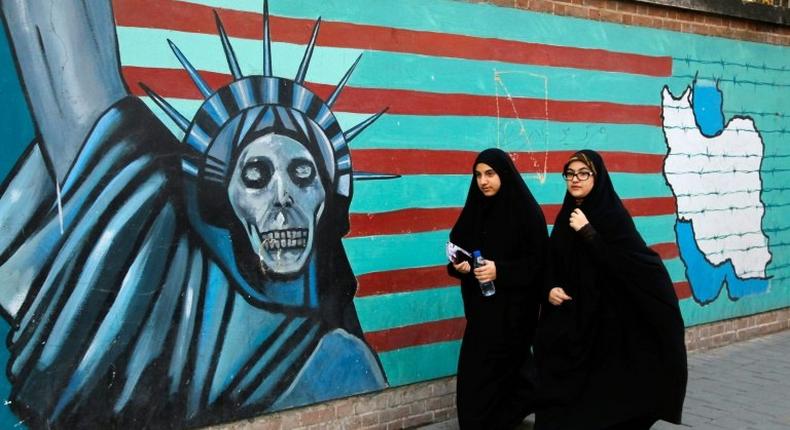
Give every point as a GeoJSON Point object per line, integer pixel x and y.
{"type": "Point", "coordinates": [263, 102]}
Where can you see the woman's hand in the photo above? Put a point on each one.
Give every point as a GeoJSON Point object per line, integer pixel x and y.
{"type": "Point", "coordinates": [578, 219]}
{"type": "Point", "coordinates": [486, 272]}
{"type": "Point", "coordinates": [462, 267]}
{"type": "Point", "coordinates": [557, 296]}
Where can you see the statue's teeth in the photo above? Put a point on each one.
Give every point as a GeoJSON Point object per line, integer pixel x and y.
{"type": "Point", "coordinates": [281, 239]}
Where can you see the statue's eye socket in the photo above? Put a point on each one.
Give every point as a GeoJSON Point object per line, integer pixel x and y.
{"type": "Point", "coordinates": [302, 172]}
{"type": "Point", "coordinates": [257, 173]}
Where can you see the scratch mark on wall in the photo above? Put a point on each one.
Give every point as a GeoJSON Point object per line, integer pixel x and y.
{"type": "Point", "coordinates": [540, 166]}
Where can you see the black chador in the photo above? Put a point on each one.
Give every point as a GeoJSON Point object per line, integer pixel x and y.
{"type": "Point", "coordinates": [495, 369]}
{"type": "Point", "coordinates": [614, 355]}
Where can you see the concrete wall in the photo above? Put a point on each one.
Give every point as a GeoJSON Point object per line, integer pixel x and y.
{"type": "Point", "coordinates": [144, 279]}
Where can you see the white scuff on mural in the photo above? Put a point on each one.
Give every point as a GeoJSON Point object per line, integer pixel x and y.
{"type": "Point", "coordinates": [540, 166]}
{"type": "Point", "coordinates": [717, 186]}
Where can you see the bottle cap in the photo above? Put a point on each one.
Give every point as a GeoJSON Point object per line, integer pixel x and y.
{"type": "Point", "coordinates": [476, 254]}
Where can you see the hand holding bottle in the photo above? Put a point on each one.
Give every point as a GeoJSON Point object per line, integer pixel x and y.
{"type": "Point", "coordinates": [485, 272]}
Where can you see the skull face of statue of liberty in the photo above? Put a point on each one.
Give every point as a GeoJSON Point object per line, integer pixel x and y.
{"type": "Point", "coordinates": [272, 176]}
{"type": "Point", "coordinates": [276, 193]}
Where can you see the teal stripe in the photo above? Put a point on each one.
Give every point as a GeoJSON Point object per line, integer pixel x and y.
{"type": "Point", "coordinates": [514, 24]}
{"type": "Point", "coordinates": [778, 177]}
{"type": "Point", "coordinates": [777, 157]}
{"type": "Point", "coordinates": [393, 252]}
{"type": "Point", "coordinates": [388, 311]}
{"type": "Point", "coordinates": [488, 78]}
{"type": "Point", "coordinates": [783, 270]}
{"type": "Point", "coordinates": [401, 251]}
{"type": "Point", "coordinates": [413, 191]}
{"type": "Point", "coordinates": [420, 363]}
{"type": "Point", "coordinates": [777, 297]}
{"type": "Point", "coordinates": [676, 269]}
{"type": "Point", "coordinates": [477, 133]}
{"type": "Point", "coordinates": [656, 229]}
{"type": "Point", "coordinates": [145, 47]}
{"type": "Point", "coordinates": [464, 133]}
{"type": "Point", "coordinates": [441, 191]}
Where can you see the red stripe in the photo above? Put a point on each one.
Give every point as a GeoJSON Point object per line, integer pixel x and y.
{"type": "Point", "coordinates": [683, 290]}
{"type": "Point", "coordinates": [176, 83]}
{"type": "Point", "coordinates": [417, 220]}
{"type": "Point", "coordinates": [645, 206]}
{"type": "Point", "coordinates": [426, 162]}
{"type": "Point", "coordinates": [403, 280]}
{"type": "Point", "coordinates": [402, 221]}
{"type": "Point", "coordinates": [172, 15]}
{"type": "Point", "coordinates": [650, 206]}
{"type": "Point", "coordinates": [425, 278]}
{"type": "Point", "coordinates": [418, 334]}
{"type": "Point", "coordinates": [667, 251]}
{"type": "Point", "coordinates": [444, 330]}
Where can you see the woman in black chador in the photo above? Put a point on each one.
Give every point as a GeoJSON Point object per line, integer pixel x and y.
{"type": "Point", "coordinates": [609, 349]}
{"type": "Point", "coordinates": [503, 221]}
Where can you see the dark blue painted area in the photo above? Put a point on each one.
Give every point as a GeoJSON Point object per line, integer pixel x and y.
{"type": "Point", "coordinates": [706, 280]}
{"type": "Point", "coordinates": [16, 132]}
{"type": "Point", "coordinates": [707, 104]}
{"type": "Point", "coordinates": [7, 418]}
{"type": "Point", "coordinates": [16, 125]}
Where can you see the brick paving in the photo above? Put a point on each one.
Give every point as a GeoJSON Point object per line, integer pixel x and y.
{"type": "Point", "coordinates": [741, 386]}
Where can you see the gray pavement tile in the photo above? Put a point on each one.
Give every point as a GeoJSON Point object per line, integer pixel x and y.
{"type": "Point", "coordinates": [769, 426]}
{"type": "Point", "coordinates": [731, 423]}
{"type": "Point", "coordinates": [695, 416]}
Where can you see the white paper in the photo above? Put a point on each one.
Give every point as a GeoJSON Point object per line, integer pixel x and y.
{"type": "Point", "coordinates": [453, 250]}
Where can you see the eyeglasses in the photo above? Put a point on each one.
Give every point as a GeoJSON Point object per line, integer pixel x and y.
{"type": "Point", "coordinates": [582, 176]}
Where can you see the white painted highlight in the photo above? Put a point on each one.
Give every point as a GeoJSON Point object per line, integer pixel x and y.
{"type": "Point", "coordinates": [716, 181]}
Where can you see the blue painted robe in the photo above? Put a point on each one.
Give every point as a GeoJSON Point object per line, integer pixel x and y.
{"type": "Point", "coordinates": [127, 311]}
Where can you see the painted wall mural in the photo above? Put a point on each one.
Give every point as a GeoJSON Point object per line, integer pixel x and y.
{"type": "Point", "coordinates": [156, 283]}
{"type": "Point", "coordinates": [185, 240]}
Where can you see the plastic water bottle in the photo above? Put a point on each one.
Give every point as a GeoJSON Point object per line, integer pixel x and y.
{"type": "Point", "coordinates": [487, 288]}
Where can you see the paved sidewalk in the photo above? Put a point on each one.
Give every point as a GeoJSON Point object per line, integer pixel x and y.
{"type": "Point", "coordinates": [743, 386]}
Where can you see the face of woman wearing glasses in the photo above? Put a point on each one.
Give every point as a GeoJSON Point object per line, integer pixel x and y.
{"type": "Point", "coordinates": [580, 180]}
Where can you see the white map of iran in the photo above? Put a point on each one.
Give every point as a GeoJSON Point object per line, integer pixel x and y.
{"type": "Point", "coordinates": [717, 185]}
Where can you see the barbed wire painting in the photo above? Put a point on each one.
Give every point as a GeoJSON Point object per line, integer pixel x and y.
{"type": "Point", "coordinates": [714, 171]}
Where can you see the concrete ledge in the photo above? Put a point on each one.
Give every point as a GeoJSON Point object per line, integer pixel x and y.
{"type": "Point", "coordinates": [434, 401]}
